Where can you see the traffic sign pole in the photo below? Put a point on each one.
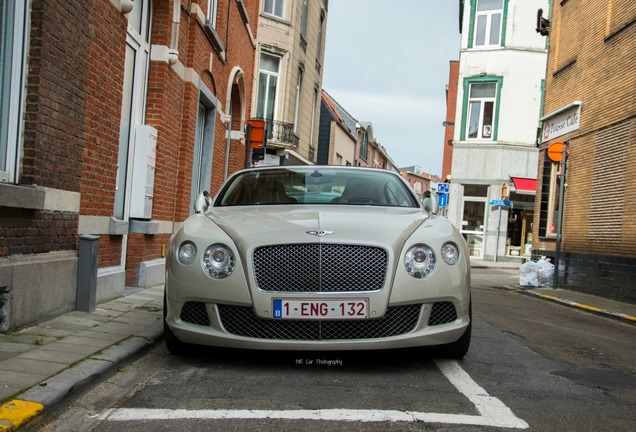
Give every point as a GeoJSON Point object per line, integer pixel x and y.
{"type": "Point", "coordinates": [559, 226]}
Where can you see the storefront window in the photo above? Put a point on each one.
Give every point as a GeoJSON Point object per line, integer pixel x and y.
{"type": "Point", "coordinates": [473, 218]}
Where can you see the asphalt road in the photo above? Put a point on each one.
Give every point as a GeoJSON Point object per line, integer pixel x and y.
{"type": "Point", "coordinates": [533, 365]}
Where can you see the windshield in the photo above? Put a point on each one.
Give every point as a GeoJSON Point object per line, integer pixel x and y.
{"type": "Point", "coordinates": [316, 186]}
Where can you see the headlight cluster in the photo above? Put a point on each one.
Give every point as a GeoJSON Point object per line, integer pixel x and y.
{"type": "Point", "coordinates": [217, 261]}
{"type": "Point", "coordinates": [420, 260]}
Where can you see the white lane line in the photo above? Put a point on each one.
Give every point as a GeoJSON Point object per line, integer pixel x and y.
{"type": "Point", "coordinates": [488, 406]}
{"type": "Point", "coordinates": [492, 411]}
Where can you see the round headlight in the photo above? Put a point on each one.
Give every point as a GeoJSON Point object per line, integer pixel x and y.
{"type": "Point", "coordinates": [187, 253]}
{"type": "Point", "coordinates": [218, 261]}
{"type": "Point", "coordinates": [450, 253]}
{"type": "Point", "coordinates": [419, 261]}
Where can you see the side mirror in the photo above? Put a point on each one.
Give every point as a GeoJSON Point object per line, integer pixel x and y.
{"type": "Point", "coordinates": [203, 202]}
{"type": "Point", "coordinates": [430, 204]}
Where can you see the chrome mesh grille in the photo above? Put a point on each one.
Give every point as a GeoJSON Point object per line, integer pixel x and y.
{"type": "Point", "coordinates": [442, 313]}
{"type": "Point", "coordinates": [242, 321]}
{"type": "Point", "coordinates": [317, 267]}
{"type": "Point", "coordinates": [195, 313]}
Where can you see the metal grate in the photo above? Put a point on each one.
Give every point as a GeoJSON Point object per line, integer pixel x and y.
{"type": "Point", "coordinates": [316, 267]}
{"type": "Point", "coordinates": [195, 313]}
{"type": "Point", "coordinates": [442, 313]}
{"type": "Point", "coordinates": [242, 321]}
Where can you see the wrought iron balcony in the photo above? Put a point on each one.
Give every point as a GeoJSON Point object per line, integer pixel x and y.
{"type": "Point", "coordinates": [281, 133]}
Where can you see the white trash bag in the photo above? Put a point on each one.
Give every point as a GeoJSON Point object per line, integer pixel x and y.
{"type": "Point", "coordinates": [545, 269]}
{"type": "Point", "coordinates": [529, 274]}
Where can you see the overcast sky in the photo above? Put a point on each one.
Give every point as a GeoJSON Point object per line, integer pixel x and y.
{"type": "Point", "coordinates": [387, 62]}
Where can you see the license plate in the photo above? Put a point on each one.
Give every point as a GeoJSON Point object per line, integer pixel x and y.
{"type": "Point", "coordinates": [321, 309]}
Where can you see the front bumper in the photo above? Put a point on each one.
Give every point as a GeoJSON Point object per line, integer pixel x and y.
{"type": "Point", "coordinates": [402, 326]}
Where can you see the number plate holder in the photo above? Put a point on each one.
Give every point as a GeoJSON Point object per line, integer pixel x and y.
{"type": "Point", "coordinates": [312, 309]}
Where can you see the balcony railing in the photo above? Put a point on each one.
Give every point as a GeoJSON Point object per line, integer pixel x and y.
{"type": "Point", "coordinates": [279, 132]}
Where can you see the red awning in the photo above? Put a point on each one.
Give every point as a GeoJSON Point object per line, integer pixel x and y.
{"type": "Point", "coordinates": [525, 186]}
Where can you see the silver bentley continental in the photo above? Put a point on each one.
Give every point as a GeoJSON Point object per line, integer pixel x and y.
{"type": "Point", "coordinates": [317, 258]}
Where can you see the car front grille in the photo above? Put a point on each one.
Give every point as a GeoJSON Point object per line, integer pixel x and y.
{"type": "Point", "coordinates": [242, 321]}
{"type": "Point", "coordinates": [319, 267]}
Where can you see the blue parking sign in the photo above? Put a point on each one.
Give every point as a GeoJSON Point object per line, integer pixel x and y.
{"type": "Point", "coordinates": [442, 200]}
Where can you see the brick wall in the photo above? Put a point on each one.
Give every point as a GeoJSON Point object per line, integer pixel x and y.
{"type": "Point", "coordinates": [451, 107]}
{"type": "Point", "coordinates": [172, 105]}
{"type": "Point", "coordinates": [591, 60]}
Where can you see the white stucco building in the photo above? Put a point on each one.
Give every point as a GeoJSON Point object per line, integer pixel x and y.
{"type": "Point", "coordinates": [501, 77]}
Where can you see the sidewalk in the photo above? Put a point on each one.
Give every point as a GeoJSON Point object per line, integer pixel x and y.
{"type": "Point", "coordinates": [609, 308]}
{"type": "Point", "coordinates": [44, 366]}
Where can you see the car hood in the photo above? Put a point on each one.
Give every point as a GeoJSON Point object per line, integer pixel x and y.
{"type": "Point", "coordinates": [261, 225]}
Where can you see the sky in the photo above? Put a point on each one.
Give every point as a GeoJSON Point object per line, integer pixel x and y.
{"type": "Point", "coordinates": [387, 62]}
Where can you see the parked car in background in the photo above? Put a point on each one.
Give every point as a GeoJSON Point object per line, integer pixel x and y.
{"type": "Point", "coordinates": [317, 258]}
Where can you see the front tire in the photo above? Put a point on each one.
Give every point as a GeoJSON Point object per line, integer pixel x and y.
{"type": "Point", "coordinates": [458, 349]}
{"type": "Point", "coordinates": [174, 345]}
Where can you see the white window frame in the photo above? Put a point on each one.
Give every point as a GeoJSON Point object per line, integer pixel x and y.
{"type": "Point", "coordinates": [271, 7]}
{"type": "Point", "coordinates": [487, 16]}
{"type": "Point", "coordinates": [269, 75]}
{"type": "Point", "coordinates": [13, 71]}
{"type": "Point", "coordinates": [213, 6]}
{"type": "Point", "coordinates": [299, 88]}
{"type": "Point", "coordinates": [484, 132]}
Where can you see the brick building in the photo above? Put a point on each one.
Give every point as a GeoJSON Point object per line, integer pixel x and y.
{"type": "Point", "coordinates": [590, 105]}
{"type": "Point", "coordinates": [115, 114]}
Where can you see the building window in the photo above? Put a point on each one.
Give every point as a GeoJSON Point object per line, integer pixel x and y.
{"type": "Point", "coordinates": [338, 159]}
{"type": "Point", "coordinates": [13, 18]}
{"type": "Point", "coordinates": [488, 17]}
{"type": "Point", "coordinates": [267, 83]}
{"type": "Point", "coordinates": [314, 104]}
{"type": "Point", "coordinates": [299, 87]}
{"type": "Point", "coordinates": [481, 107]}
{"type": "Point", "coordinates": [475, 202]}
{"type": "Point", "coordinates": [136, 64]}
{"type": "Point", "coordinates": [319, 47]}
{"type": "Point", "coordinates": [364, 145]}
{"type": "Point", "coordinates": [303, 23]}
{"type": "Point", "coordinates": [203, 149]}
{"type": "Point", "coordinates": [212, 8]}
{"type": "Point", "coordinates": [275, 7]}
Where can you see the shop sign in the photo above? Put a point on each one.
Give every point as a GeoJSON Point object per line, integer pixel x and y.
{"type": "Point", "coordinates": [561, 121]}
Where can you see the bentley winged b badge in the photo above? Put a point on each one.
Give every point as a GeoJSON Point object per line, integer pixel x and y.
{"type": "Point", "coordinates": [320, 233]}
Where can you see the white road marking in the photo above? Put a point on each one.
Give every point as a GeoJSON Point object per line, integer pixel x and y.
{"type": "Point", "coordinates": [492, 411]}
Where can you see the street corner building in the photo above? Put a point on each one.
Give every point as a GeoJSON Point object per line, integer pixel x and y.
{"type": "Point", "coordinates": [115, 114]}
